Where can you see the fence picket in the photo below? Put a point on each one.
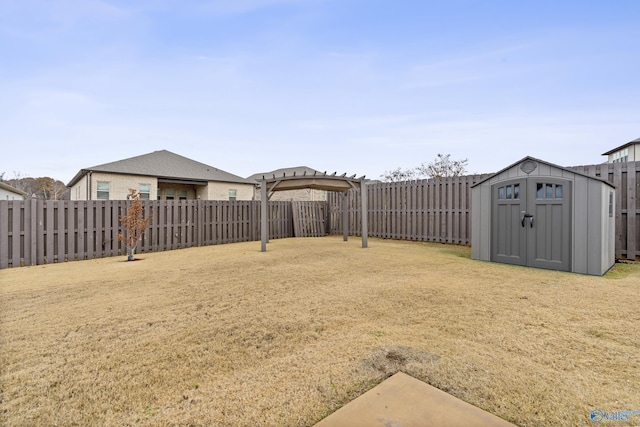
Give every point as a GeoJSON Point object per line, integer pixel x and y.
{"type": "Point", "coordinates": [632, 212]}
{"type": "Point", "coordinates": [4, 234]}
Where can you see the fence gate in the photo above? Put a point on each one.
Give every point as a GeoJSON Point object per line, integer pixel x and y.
{"type": "Point", "coordinates": [309, 219]}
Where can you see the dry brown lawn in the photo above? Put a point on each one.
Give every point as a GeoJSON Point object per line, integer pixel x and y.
{"type": "Point", "coordinates": [227, 335]}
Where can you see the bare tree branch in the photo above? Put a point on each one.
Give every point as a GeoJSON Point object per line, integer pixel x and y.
{"type": "Point", "coordinates": [441, 167]}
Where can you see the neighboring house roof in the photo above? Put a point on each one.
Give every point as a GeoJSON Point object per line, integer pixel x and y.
{"type": "Point", "coordinates": [298, 171]}
{"type": "Point", "coordinates": [635, 141]}
{"type": "Point", "coordinates": [164, 164]}
{"type": "Point", "coordinates": [11, 189]}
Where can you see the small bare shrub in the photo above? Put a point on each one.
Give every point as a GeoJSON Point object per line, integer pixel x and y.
{"type": "Point", "coordinates": [134, 223]}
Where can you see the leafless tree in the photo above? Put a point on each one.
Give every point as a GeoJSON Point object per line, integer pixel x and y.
{"type": "Point", "coordinates": [22, 183]}
{"type": "Point", "coordinates": [134, 223]}
{"type": "Point", "coordinates": [443, 166]}
{"type": "Point", "coordinates": [398, 175]}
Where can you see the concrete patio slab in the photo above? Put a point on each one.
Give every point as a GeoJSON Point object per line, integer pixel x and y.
{"type": "Point", "coordinates": [403, 401]}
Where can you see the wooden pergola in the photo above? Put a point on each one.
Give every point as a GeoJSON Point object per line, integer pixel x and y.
{"type": "Point", "coordinates": [317, 181]}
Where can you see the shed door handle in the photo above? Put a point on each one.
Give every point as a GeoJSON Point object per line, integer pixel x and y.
{"type": "Point", "coordinates": [526, 215]}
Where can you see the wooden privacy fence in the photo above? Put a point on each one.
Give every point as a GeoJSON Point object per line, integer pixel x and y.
{"type": "Point", "coordinates": [434, 210]}
{"type": "Point", "coordinates": [439, 210]}
{"type": "Point", "coordinates": [626, 178]}
{"type": "Point", "coordinates": [38, 232]}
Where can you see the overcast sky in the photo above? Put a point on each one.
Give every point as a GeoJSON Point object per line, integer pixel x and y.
{"type": "Point", "coordinates": [356, 86]}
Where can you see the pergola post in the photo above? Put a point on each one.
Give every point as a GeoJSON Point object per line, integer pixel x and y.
{"type": "Point", "coordinates": [264, 228]}
{"type": "Point", "coordinates": [345, 216]}
{"type": "Point", "coordinates": [363, 201]}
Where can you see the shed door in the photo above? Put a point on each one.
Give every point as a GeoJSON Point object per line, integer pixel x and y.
{"type": "Point", "coordinates": [532, 223]}
{"type": "Point", "coordinates": [509, 240]}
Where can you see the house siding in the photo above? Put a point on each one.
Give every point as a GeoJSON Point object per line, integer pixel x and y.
{"type": "Point", "coordinates": [633, 153]}
{"type": "Point", "coordinates": [119, 186]}
{"type": "Point", "coordinates": [79, 190]}
{"type": "Point", "coordinates": [302, 195]}
{"type": "Point", "coordinates": [10, 195]}
{"type": "Point", "coordinates": [220, 191]}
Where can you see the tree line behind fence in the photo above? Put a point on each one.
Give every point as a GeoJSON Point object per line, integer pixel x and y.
{"type": "Point", "coordinates": [436, 210]}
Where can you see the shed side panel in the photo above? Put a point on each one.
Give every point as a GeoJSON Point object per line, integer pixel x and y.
{"type": "Point", "coordinates": [608, 228]}
{"type": "Point", "coordinates": [594, 230]}
{"type": "Point", "coordinates": [580, 223]}
{"type": "Point", "coordinates": [481, 227]}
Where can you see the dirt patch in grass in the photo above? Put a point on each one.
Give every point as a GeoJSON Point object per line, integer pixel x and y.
{"type": "Point", "coordinates": [227, 335]}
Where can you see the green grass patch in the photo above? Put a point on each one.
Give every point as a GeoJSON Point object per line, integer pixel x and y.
{"type": "Point", "coordinates": [621, 270]}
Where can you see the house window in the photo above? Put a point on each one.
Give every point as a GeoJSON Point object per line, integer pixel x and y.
{"type": "Point", "coordinates": [103, 190]}
{"type": "Point", "coordinates": [232, 194]}
{"type": "Point", "coordinates": [621, 156]}
{"type": "Point", "coordinates": [145, 191]}
{"type": "Point", "coordinates": [168, 194]}
{"type": "Point", "coordinates": [182, 194]}
{"type": "Point", "coordinates": [159, 193]}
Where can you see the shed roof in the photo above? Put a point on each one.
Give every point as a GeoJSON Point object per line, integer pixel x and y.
{"type": "Point", "coordinates": [546, 163]}
{"type": "Point", "coordinates": [164, 164]}
{"type": "Point", "coordinates": [635, 141]}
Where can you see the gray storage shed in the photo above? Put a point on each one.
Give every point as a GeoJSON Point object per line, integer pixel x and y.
{"type": "Point", "coordinates": [538, 214]}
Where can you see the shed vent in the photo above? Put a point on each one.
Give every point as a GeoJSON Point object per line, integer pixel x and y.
{"type": "Point", "coordinates": [528, 166]}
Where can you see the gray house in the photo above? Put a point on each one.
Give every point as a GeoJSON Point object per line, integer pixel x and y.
{"type": "Point", "coordinates": [160, 175]}
{"type": "Point", "coordinates": [534, 213]}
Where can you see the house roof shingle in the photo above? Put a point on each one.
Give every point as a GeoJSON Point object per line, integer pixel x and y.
{"type": "Point", "coordinates": [164, 164]}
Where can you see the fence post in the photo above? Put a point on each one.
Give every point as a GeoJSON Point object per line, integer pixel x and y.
{"type": "Point", "coordinates": [365, 213]}
{"type": "Point", "coordinates": [263, 212]}
{"type": "Point", "coordinates": [34, 237]}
